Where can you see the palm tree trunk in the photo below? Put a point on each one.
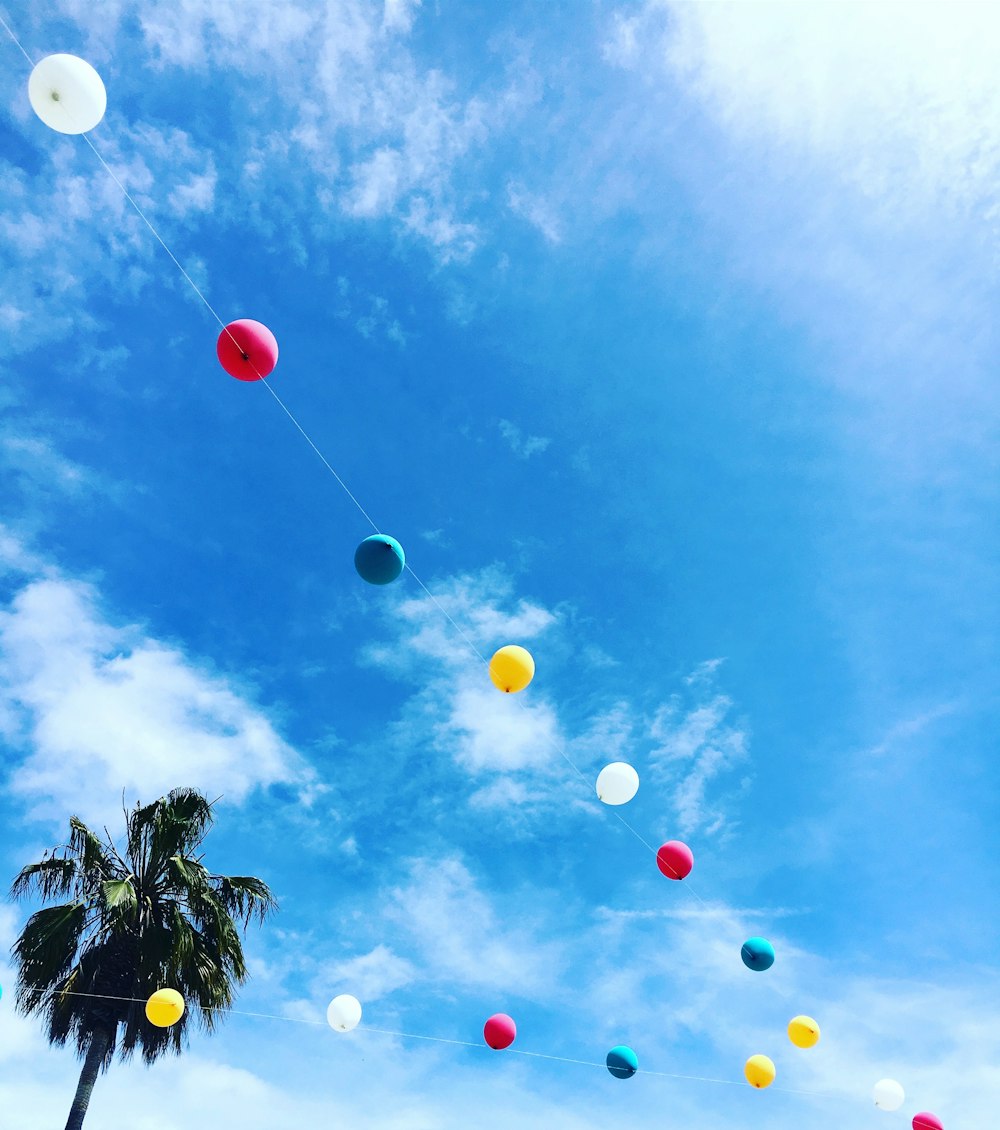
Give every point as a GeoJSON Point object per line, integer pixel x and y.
{"type": "Point", "coordinates": [88, 1077]}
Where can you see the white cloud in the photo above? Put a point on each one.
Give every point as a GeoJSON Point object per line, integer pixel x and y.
{"type": "Point", "coordinates": [463, 939]}
{"type": "Point", "coordinates": [369, 977]}
{"type": "Point", "coordinates": [376, 184]}
{"type": "Point", "coordinates": [697, 743]}
{"type": "Point", "coordinates": [197, 195]}
{"type": "Point", "coordinates": [68, 231]}
{"type": "Point", "coordinates": [457, 711]}
{"type": "Point", "coordinates": [398, 15]}
{"type": "Point", "coordinates": [536, 209]}
{"type": "Point", "coordinates": [523, 446]}
{"type": "Point", "coordinates": [187, 32]}
{"type": "Point", "coordinates": [905, 105]}
{"type": "Point", "coordinates": [483, 606]}
{"type": "Point", "coordinates": [36, 459]}
{"type": "Point", "coordinates": [487, 731]}
{"type": "Point", "coordinates": [455, 240]}
{"type": "Point", "coordinates": [98, 708]}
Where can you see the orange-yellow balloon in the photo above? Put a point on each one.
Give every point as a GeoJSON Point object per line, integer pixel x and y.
{"type": "Point", "coordinates": [512, 668]}
{"type": "Point", "coordinates": [759, 1071]}
{"type": "Point", "coordinates": [164, 1008]}
{"type": "Point", "coordinates": [803, 1031]}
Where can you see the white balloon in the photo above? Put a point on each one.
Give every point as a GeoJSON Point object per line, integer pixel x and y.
{"type": "Point", "coordinates": [617, 783]}
{"type": "Point", "coordinates": [67, 93]}
{"type": "Point", "coordinates": [344, 1013]}
{"type": "Point", "coordinates": [888, 1094]}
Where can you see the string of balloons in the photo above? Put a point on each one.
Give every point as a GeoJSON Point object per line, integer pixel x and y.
{"type": "Point", "coordinates": [68, 95]}
{"type": "Point", "coordinates": [165, 1008]}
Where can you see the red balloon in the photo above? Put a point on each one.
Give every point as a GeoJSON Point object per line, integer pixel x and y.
{"type": "Point", "coordinates": [674, 859]}
{"type": "Point", "coordinates": [247, 350]}
{"type": "Point", "coordinates": [925, 1121]}
{"type": "Point", "coordinates": [499, 1031]}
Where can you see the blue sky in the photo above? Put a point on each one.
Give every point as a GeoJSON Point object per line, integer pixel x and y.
{"type": "Point", "coordinates": [663, 337]}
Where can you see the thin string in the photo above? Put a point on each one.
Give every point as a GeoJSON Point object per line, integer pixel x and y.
{"type": "Point", "coordinates": [444, 611]}
{"type": "Point", "coordinates": [479, 1046]}
{"type": "Point", "coordinates": [142, 216]}
{"type": "Point", "coordinates": [305, 435]}
{"type": "Point", "coordinates": [20, 47]}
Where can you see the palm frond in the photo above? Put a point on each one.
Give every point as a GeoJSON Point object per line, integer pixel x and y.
{"type": "Point", "coordinates": [45, 950]}
{"type": "Point", "coordinates": [245, 897]}
{"type": "Point", "coordinates": [49, 878]}
{"type": "Point", "coordinates": [119, 894]}
{"type": "Point", "coordinates": [88, 848]}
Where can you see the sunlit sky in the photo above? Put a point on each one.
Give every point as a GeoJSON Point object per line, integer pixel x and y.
{"type": "Point", "coordinates": [663, 337]}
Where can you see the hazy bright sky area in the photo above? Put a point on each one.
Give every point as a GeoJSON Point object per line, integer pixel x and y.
{"type": "Point", "coordinates": [664, 338]}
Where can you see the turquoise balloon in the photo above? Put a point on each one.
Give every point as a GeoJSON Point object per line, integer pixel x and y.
{"type": "Point", "coordinates": [379, 559]}
{"type": "Point", "coordinates": [757, 954]}
{"type": "Point", "coordinates": [623, 1063]}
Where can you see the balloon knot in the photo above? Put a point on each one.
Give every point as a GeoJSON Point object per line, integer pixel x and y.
{"type": "Point", "coordinates": [245, 356]}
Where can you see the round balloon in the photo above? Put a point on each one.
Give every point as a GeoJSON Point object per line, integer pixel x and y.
{"type": "Point", "coordinates": [622, 1062]}
{"type": "Point", "coordinates": [247, 350]}
{"type": "Point", "coordinates": [67, 94]}
{"type": "Point", "coordinates": [499, 1031]}
{"type": "Point", "coordinates": [759, 1071]}
{"type": "Point", "coordinates": [617, 783]}
{"type": "Point", "coordinates": [925, 1121]}
{"type": "Point", "coordinates": [343, 1013]}
{"type": "Point", "coordinates": [379, 559]}
{"type": "Point", "coordinates": [803, 1031]}
{"type": "Point", "coordinates": [512, 668]}
{"type": "Point", "coordinates": [164, 1008]}
{"type": "Point", "coordinates": [675, 860]}
{"type": "Point", "coordinates": [757, 954]}
{"type": "Point", "coordinates": [888, 1094]}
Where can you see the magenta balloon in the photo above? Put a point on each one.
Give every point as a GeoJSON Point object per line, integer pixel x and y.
{"type": "Point", "coordinates": [674, 859]}
{"type": "Point", "coordinates": [499, 1031]}
{"type": "Point", "coordinates": [247, 350]}
{"type": "Point", "coordinates": [925, 1121]}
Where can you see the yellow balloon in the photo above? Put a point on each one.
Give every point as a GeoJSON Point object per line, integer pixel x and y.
{"type": "Point", "coordinates": [803, 1031]}
{"type": "Point", "coordinates": [759, 1071]}
{"type": "Point", "coordinates": [164, 1008]}
{"type": "Point", "coordinates": [512, 668]}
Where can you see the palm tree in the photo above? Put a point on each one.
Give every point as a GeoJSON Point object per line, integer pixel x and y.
{"type": "Point", "coordinates": [127, 924]}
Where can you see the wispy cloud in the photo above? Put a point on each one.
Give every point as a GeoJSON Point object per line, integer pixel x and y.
{"type": "Point", "coordinates": [370, 313]}
{"type": "Point", "coordinates": [697, 741]}
{"type": "Point", "coordinates": [461, 937]}
{"type": "Point", "coordinates": [458, 712]}
{"type": "Point", "coordinates": [522, 445]}
{"type": "Point", "coordinates": [398, 15]}
{"type": "Point", "coordinates": [536, 209]}
{"type": "Point", "coordinates": [369, 976]}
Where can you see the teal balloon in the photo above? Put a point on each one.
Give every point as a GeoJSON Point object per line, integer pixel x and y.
{"type": "Point", "coordinates": [757, 954]}
{"type": "Point", "coordinates": [379, 559]}
{"type": "Point", "coordinates": [623, 1063]}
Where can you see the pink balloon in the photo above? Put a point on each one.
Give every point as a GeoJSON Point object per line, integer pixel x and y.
{"type": "Point", "coordinates": [674, 859]}
{"type": "Point", "coordinates": [247, 350]}
{"type": "Point", "coordinates": [925, 1121]}
{"type": "Point", "coordinates": [499, 1031]}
